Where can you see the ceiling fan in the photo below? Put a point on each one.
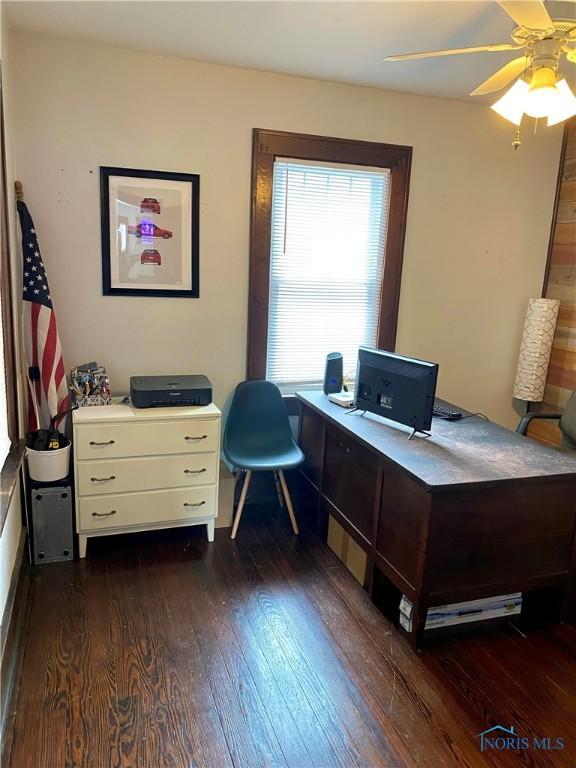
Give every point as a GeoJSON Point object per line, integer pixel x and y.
{"type": "Point", "coordinates": [540, 90]}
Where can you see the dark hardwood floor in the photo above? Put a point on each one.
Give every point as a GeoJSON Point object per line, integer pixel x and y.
{"type": "Point", "coordinates": [161, 650]}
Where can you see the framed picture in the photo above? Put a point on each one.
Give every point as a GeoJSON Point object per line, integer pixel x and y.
{"type": "Point", "coordinates": [150, 233]}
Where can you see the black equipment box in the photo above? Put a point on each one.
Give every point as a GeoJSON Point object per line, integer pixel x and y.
{"type": "Point", "coordinates": [160, 391]}
{"type": "Point", "coordinates": [52, 525]}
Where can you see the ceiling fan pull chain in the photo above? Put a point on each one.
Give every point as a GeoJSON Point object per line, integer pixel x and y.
{"type": "Point", "coordinates": [517, 141]}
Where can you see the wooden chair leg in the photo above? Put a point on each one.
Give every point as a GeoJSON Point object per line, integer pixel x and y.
{"type": "Point", "coordinates": [288, 502]}
{"type": "Point", "coordinates": [241, 503]}
{"type": "Point", "coordinates": [278, 489]}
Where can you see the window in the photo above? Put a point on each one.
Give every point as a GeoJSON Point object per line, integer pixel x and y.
{"type": "Point", "coordinates": [328, 220]}
{"type": "Point", "coordinates": [326, 259]}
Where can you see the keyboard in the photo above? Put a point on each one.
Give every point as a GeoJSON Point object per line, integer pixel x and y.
{"type": "Point", "coordinates": [440, 411]}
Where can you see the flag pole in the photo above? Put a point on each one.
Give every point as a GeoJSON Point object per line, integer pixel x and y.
{"type": "Point", "coordinates": [44, 352]}
{"type": "Point", "coordinates": [19, 191]}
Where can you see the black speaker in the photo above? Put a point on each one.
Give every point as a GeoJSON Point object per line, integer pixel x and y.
{"type": "Point", "coordinates": [333, 373]}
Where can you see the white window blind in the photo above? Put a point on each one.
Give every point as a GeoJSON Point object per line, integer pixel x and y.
{"type": "Point", "coordinates": [326, 264]}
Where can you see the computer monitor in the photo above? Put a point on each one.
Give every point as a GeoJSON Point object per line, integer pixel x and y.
{"type": "Point", "coordinates": [399, 388]}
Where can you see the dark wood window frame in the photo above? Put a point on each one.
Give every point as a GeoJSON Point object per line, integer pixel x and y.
{"type": "Point", "coordinates": [266, 147]}
{"type": "Point", "coordinates": [10, 470]}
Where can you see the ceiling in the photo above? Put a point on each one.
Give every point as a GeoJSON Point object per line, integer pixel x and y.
{"type": "Point", "coordinates": [341, 41]}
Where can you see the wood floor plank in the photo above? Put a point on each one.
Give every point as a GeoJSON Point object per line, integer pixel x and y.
{"type": "Point", "coordinates": [136, 658]}
{"type": "Point", "coordinates": [132, 738]}
{"type": "Point", "coordinates": [99, 667]}
{"type": "Point", "coordinates": [43, 744]}
{"type": "Point", "coordinates": [88, 745]}
{"type": "Point", "coordinates": [60, 643]}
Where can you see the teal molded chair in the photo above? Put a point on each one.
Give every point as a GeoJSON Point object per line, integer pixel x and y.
{"type": "Point", "coordinates": [258, 438]}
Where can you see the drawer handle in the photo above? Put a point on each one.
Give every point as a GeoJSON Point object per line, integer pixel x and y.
{"type": "Point", "coordinates": [198, 504]}
{"type": "Point", "coordinates": [104, 514]}
{"type": "Point", "coordinates": [108, 442]}
{"type": "Point", "coordinates": [102, 479]}
{"type": "Point", "coordinates": [201, 437]}
{"type": "Point", "coordinates": [194, 471]}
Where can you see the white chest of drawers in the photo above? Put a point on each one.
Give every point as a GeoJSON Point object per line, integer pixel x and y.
{"type": "Point", "coordinates": [137, 469]}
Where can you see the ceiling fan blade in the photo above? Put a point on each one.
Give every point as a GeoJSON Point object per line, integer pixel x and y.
{"type": "Point", "coordinates": [452, 51]}
{"type": "Point", "coordinates": [499, 79]}
{"type": "Point", "coordinates": [528, 13]}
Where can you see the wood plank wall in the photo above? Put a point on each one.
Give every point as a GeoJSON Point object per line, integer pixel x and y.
{"type": "Point", "coordinates": [562, 281]}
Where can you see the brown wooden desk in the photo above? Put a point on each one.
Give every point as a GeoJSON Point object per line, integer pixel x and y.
{"type": "Point", "coordinates": [472, 511]}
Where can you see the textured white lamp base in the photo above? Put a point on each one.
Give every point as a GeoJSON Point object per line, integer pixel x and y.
{"type": "Point", "coordinates": [535, 349]}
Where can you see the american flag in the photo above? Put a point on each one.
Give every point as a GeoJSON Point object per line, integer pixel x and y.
{"type": "Point", "coordinates": [47, 388]}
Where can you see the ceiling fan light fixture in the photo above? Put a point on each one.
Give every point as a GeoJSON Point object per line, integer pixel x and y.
{"type": "Point", "coordinates": [511, 105]}
{"type": "Point", "coordinates": [542, 102]}
{"type": "Point", "coordinates": [543, 97]}
{"type": "Point", "coordinates": [566, 107]}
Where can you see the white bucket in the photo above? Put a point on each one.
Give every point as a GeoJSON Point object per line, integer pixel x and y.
{"type": "Point", "coordinates": [48, 466]}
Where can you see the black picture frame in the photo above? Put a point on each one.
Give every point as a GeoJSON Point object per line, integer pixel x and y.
{"type": "Point", "coordinates": [108, 289]}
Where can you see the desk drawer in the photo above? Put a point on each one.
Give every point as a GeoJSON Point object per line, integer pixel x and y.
{"type": "Point", "coordinates": [351, 481]}
{"type": "Point", "coordinates": [506, 534]}
{"type": "Point", "coordinates": [103, 441]}
{"type": "Point", "coordinates": [120, 475]}
{"type": "Point", "coordinates": [98, 512]}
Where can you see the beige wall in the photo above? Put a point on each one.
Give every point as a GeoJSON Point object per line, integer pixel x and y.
{"type": "Point", "coordinates": [478, 222]}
